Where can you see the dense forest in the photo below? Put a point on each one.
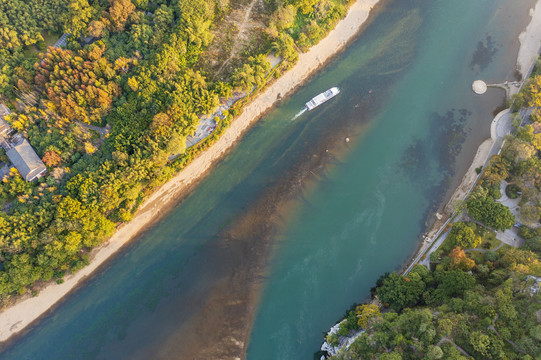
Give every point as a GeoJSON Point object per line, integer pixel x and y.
{"type": "Point", "coordinates": [478, 300]}
{"type": "Point", "coordinates": [489, 312]}
{"type": "Point", "coordinates": [109, 110]}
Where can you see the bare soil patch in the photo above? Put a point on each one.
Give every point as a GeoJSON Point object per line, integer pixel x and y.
{"type": "Point", "coordinates": [236, 37]}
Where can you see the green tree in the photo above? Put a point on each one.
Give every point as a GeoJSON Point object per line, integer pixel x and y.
{"type": "Point", "coordinates": [464, 236]}
{"type": "Point", "coordinates": [366, 313]}
{"type": "Point", "coordinates": [400, 292]}
{"type": "Point", "coordinates": [306, 6]}
{"type": "Point", "coordinates": [480, 342]}
{"type": "Point", "coordinates": [284, 46]}
{"type": "Point", "coordinates": [491, 213]}
{"type": "Point", "coordinates": [497, 170]}
{"type": "Point", "coordinates": [244, 78]}
{"type": "Point", "coordinates": [434, 353]}
{"type": "Point", "coordinates": [252, 74]}
{"type": "Point", "coordinates": [454, 283]}
{"type": "Point", "coordinates": [177, 144]}
{"type": "Point", "coordinates": [77, 17]}
{"type": "Point", "coordinates": [533, 95]}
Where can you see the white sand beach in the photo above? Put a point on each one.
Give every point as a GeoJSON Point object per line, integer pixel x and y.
{"type": "Point", "coordinates": [530, 42]}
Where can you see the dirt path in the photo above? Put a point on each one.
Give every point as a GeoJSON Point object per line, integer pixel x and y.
{"type": "Point", "coordinates": [485, 250]}
{"type": "Point", "coordinates": [239, 39]}
{"type": "Point", "coordinates": [446, 339]}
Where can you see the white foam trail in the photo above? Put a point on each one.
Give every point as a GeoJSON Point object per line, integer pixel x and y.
{"type": "Point", "coordinates": [299, 114]}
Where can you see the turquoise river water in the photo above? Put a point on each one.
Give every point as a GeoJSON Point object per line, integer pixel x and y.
{"type": "Point", "coordinates": [295, 225]}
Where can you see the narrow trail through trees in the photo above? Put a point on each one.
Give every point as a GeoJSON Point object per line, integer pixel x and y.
{"type": "Point", "coordinates": [239, 39]}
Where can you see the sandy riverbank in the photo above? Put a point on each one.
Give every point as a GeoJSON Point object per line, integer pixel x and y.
{"type": "Point", "coordinates": [530, 42]}
{"type": "Point", "coordinates": [17, 317]}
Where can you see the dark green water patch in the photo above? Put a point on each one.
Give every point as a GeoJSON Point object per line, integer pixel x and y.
{"type": "Point", "coordinates": [413, 161]}
{"type": "Point", "coordinates": [429, 163]}
{"type": "Point", "coordinates": [449, 129]}
{"type": "Point", "coordinates": [439, 150]}
{"type": "Point", "coordinates": [484, 54]}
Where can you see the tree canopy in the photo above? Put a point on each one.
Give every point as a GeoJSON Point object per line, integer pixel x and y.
{"type": "Point", "coordinates": [490, 213]}
{"type": "Point", "coordinates": [489, 312]}
{"type": "Point", "coordinates": [463, 235]}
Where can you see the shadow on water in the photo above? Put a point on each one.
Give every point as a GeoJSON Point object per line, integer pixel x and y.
{"type": "Point", "coordinates": [484, 54]}
{"type": "Point", "coordinates": [434, 173]}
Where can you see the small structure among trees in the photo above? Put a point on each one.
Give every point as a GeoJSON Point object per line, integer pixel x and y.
{"type": "Point", "coordinates": [25, 159]}
{"type": "Point", "coordinates": [19, 151]}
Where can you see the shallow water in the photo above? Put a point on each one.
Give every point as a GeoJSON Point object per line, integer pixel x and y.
{"type": "Point", "coordinates": [289, 231]}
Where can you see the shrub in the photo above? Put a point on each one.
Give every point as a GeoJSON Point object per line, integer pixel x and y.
{"type": "Point", "coordinates": [490, 256]}
{"type": "Point", "coordinates": [494, 192]}
{"type": "Point", "coordinates": [333, 340]}
{"type": "Point", "coordinates": [512, 191]}
{"type": "Point", "coordinates": [528, 232]}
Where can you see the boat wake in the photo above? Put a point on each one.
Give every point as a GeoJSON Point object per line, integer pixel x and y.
{"type": "Point", "coordinates": [299, 114]}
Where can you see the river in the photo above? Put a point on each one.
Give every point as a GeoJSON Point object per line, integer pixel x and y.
{"type": "Point", "coordinates": [295, 225]}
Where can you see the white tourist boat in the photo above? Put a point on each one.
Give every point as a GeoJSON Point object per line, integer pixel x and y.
{"type": "Point", "coordinates": [321, 98]}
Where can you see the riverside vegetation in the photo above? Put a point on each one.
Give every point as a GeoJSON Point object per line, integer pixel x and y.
{"type": "Point", "coordinates": [477, 303]}
{"type": "Point", "coordinates": [142, 71]}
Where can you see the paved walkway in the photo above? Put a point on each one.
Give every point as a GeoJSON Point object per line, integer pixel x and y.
{"type": "Point", "coordinates": [512, 204]}
{"type": "Point", "coordinates": [501, 125]}
{"type": "Point", "coordinates": [510, 236]}
{"type": "Point", "coordinates": [437, 244]}
{"type": "Point", "coordinates": [207, 124]}
{"type": "Point", "coordinates": [484, 250]}
{"type": "Point", "coordinates": [103, 131]}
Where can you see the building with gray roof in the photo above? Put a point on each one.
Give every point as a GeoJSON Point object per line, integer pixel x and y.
{"type": "Point", "coordinates": [25, 159]}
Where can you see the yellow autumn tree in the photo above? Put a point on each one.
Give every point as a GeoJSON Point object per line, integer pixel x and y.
{"type": "Point", "coordinates": [366, 314]}
{"type": "Point", "coordinates": [534, 96]}
{"type": "Point", "coordinates": [119, 12]}
{"type": "Point", "coordinates": [459, 260]}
